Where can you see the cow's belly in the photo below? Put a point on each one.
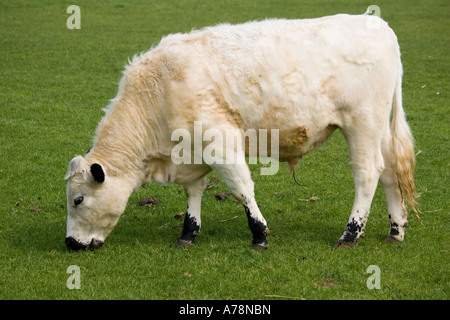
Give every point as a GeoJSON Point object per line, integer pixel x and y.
{"type": "Point", "coordinates": [301, 141]}
{"type": "Point", "coordinates": [292, 143]}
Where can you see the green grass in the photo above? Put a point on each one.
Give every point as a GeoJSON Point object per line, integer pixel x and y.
{"type": "Point", "coordinates": [54, 83]}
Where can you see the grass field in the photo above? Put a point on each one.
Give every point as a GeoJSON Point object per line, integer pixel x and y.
{"type": "Point", "coordinates": [54, 84]}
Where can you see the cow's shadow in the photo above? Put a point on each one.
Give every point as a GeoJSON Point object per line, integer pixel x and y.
{"type": "Point", "coordinates": [139, 229]}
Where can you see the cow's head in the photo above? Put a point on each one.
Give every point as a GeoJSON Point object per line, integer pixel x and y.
{"type": "Point", "coordinates": [95, 202]}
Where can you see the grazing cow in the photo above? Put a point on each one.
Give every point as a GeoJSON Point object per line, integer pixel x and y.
{"type": "Point", "coordinates": [304, 78]}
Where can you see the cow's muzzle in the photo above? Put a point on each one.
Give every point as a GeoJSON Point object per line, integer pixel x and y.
{"type": "Point", "coordinates": [73, 244]}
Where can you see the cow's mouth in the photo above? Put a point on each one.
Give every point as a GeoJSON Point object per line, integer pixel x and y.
{"type": "Point", "coordinates": [76, 245]}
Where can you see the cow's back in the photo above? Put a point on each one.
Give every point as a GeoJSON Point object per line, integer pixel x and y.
{"type": "Point", "coordinates": [280, 63]}
{"type": "Point", "coordinates": [291, 75]}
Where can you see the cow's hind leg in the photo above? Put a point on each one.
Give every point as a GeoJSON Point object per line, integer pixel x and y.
{"type": "Point", "coordinates": [238, 178]}
{"type": "Point", "coordinates": [192, 220]}
{"type": "Point", "coordinates": [367, 164]}
{"type": "Point", "coordinates": [396, 207]}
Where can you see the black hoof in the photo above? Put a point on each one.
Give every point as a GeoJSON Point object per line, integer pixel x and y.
{"type": "Point", "coordinates": [260, 246]}
{"type": "Point", "coordinates": [260, 242]}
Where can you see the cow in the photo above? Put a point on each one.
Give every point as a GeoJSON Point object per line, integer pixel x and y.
{"type": "Point", "coordinates": [303, 77]}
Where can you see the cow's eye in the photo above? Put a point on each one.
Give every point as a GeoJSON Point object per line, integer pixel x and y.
{"type": "Point", "coordinates": [78, 200]}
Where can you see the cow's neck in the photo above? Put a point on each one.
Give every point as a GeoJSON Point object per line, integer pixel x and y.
{"type": "Point", "coordinates": [123, 140]}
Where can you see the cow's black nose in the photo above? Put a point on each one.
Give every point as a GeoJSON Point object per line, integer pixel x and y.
{"type": "Point", "coordinates": [73, 244]}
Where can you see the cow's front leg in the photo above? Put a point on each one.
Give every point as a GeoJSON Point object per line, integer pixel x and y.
{"type": "Point", "coordinates": [238, 180]}
{"type": "Point", "coordinates": [258, 227]}
{"type": "Point", "coordinates": [192, 220]}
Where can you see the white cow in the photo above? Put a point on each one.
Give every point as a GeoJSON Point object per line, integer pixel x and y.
{"type": "Point", "coordinates": [304, 78]}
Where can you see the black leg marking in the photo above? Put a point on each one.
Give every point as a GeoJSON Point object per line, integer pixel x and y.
{"type": "Point", "coordinates": [352, 230]}
{"type": "Point", "coordinates": [190, 230]}
{"type": "Point", "coordinates": [394, 233]}
{"type": "Point", "coordinates": [259, 231]}
{"type": "Point", "coordinates": [351, 234]}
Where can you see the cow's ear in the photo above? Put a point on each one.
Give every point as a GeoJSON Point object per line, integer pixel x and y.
{"type": "Point", "coordinates": [97, 172]}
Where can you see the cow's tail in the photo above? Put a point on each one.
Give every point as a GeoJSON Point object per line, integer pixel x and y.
{"type": "Point", "coordinates": [403, 148]}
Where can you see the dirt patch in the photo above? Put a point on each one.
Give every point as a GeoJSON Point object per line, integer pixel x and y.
{"type": "Point", "coordinates": [148, 202]}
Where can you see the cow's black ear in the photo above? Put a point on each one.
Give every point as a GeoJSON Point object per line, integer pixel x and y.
{"type": "Point", "coordinates": [97, 172]}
